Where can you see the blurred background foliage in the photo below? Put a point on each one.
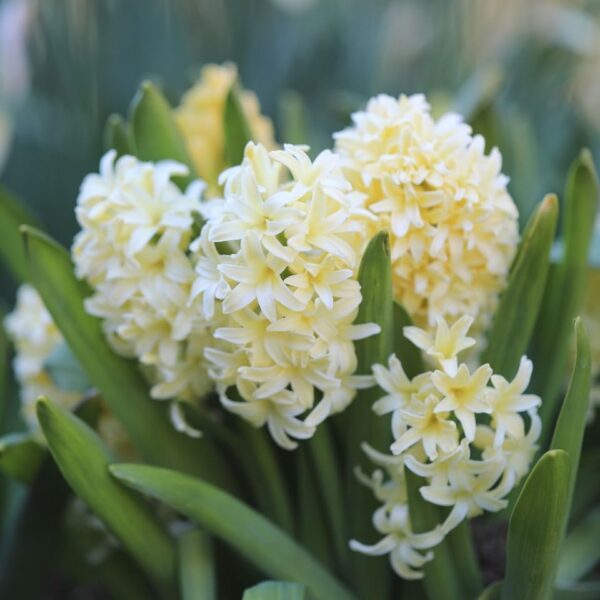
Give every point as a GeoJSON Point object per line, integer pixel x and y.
{"type": "Point", "coordinates": [526, 74]}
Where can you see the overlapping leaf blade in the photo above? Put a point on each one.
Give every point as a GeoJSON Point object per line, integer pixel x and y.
{"type": "Point", "coordinates": [565, 287]}
{"type": "Point", "coordinates": [581, 550]}
{"type": "Point", "coordinates": [516, 315]}
{"type": "Point", "coordinates": [259, 540]}
{"type": "Point", "coordinates": [155, 133]}
{"type": "Point", "coordinates": [276, 590]}
{"type": "Point", "coordinates": [535, 529]}
{"type": "Point", "coordinates": [83, 460]}
{"type": "Point", "coordinates": [20, 456]}
{"type": "Point", "coordinates": [117, 135]}
{"type": "Point", "coordinates": [197, 578]}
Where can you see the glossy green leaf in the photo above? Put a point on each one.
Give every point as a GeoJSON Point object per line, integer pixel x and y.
{"type": "Point", "coordinates": [197, 578]}
{"type": "Point", "coordinates": [236, 127]}
{"type": "Point", "coordinates": [371, 575]}
{"type": "Point", "coordinates": [13, 214]}
{"type": "Point", "coordinates": [276, 590]}
{"type": "Point", "coordinates": [516, 315]}
{"type": "Point", "coordinates": [581, 550]}
{"type": "Point", "coordinates": [20, 456]}
{"type": "Point", "coordinates": [117, 136]}
{"type": "Point", "coordinates": [442, 579]}
{"type": "Point", "coordinates": [256, 538]}
{"type": "Point", "coordinates": [29, 545]}
{"type": "Point", "coordinates": [565, 287]}
{"type": "Point", "coordinates": [492, 592]}
{"type": "Point", "coordinates": [570, 427]}
{"type": "Point", "coordinates": [536, 529]}
{"type": "Point", "coordinates": [65, 371]}
{"type": "Point", "coordinates": [462, 548]}
{"type": "Point", "coordinates": [117, 379]}
{"type": "Point", "coordinates": [410, 356]}
{"type": "Point", "coordinates": [583, 590]}
{"type": "Point", "coordinates": [312, 532]}
{"type": "Point", "coordinates": [83, 460]}
{"type": "Point", "coordinates": [325, 466]}
{"type": "Point", "coordinates": [155, 133]}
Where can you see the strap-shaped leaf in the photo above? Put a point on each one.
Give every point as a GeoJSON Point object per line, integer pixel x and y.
{"type": "Point", "coordinates": [536, 528]}
{"type": "Point", "coordinates": [255, 537]}
{"type": "Point", "coordinates": [12, 215]}
{"type": "Point", "coordinates": [581, 550]}
{"type": "Point", "coordinates": [442, 579]}
{"type": "Point", "coordinates": [360, 422]}
{"type": "Point", "coordinates": [4, 369]}
{"type": "Point", "coordinates": [117, 136]}
{"type": "Point", "coordinates": [275, 590]}
{"type": "Point", "coordinates": [118, 380]}
{"type": "Point", "coordinates": [516, 315]}
{"type": "Point", "coordinates": [154, 131]}
{"type": "Point", "coordinates": [565, 287]}
{"type": "Point", "coordinates": [83, 460]}
{"type": "Point", "coordinates": [570, 427]}
{"type": "Point", "coordinates": [197, 578]}
{"type": "Point", "coordinates": [410, 356]}
{"type": "Point", "coordinates": [236, 127]}
{"type": "Point", "coordinates": [20, 456]}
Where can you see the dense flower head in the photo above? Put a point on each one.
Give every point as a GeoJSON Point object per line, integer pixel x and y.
{"type": "Point", "coordinates": [35, 338]}
{"type": "Point", "coordinates": [471, 435]}
{"type": "Point", "coordinates": [133, 249]}
{"type": "Point", "coordinates": [452, 223]}
{"type": "Point", "coordinates": [276, 269]}
{"type": "Point", "coordinates": [200, 118]}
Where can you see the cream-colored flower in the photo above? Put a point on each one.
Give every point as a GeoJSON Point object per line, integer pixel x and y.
{"type": "Point", "coordinates": [447, 343]}
{"type": "Point", "coordinates": [35, 337]}
{"type": "Point", "coordinates": [286, 293]}
{"type": "Point", "coordinates": [200, 118]}
{"type": "Point", "coordinates": [133, 249]}
{"type": "Point", "coordinates": [452, 223]}
{"type": "Point", "coordinates": [467, 466]}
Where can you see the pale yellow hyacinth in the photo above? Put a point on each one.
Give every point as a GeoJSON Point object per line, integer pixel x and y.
{"type": "Point", "coordinates": [136, 227]}
{"type": "Point", "coordinates": [453, 225]}
{"type": "Point", "coordinates": [471, 442]}
{"type": "Point", "coordinates": [35, 338]}
{"type": "Point", "coordinates": [284, 297]}
{"type": "Point", "coordinates": [200, 119]}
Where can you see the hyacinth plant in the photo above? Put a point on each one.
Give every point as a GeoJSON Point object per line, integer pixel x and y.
{"type": "Point", "coordinates": [343, 373]}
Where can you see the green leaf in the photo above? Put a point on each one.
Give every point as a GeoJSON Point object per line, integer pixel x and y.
{"type": "Point", "coordinates": [196, 566]}
{"type": "Point", "coordinates": [275, 590]}
{"type": "Point", "coordinates": [83, 460]}
{"type": "Point", "coordinates": [442, 579]}
{"type": "Point", "coordinates": [312, 533]}
{"type": "Point", "coordinates": [581, 550]}
{"type": "Point", "coordinates": [65, 371]}
{"type": "Point", "coordinates": [516, 315]}
{"type": "Point", "coordinates": [410, 356]}
{"type": "Point", "coordinates": [155, 132]}
{"type": "Point", "coordinates": [492, 592]}
{"type": "Point", "coordinates": [118, 380]}
{"type": "Point", "coordinates": [584, 590]}
{"type": "Point", "coordinates": [20, 456]}
{"type": "Point", "coordinates": [256, 538]}
{"type": "Point", "coordinates": [587, 485]}
{"type": "Point", "coordinates": [462, 548]}
{"type": "Point", "coordinates": [536, 529]}
{"type": "Point", "coordinates": [13, 214]}
{"type": "Point", "coordinates": [570, 427]}
{"type": "Point", "coordinates": [565, 287]}
{"type": "Point", "coordinates": [325, 466]}
{"type": "Point", "coordinates": [29, 545]}
{"type": "Point", "coordinates": [117, 136]}
{"type": "Point", "coordinates": [371, 575]}
{"type": "Point", "coordinates": [4, 370]}
{"type": "Point", "coordinates": [236, 127]}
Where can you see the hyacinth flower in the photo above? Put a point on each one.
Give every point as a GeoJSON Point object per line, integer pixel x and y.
{"type": "Point", "coordinates": [306, 317]}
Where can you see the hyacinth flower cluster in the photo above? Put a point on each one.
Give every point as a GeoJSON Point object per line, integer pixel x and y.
{"type": "Point", "coordinates": [470, 435]}
{"type": "Point", "coordinates": [452, 223]}
{"type": "Point", "coordinates": [284, 292]}
{"type": "Point", "coordinates": [133, 250]}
